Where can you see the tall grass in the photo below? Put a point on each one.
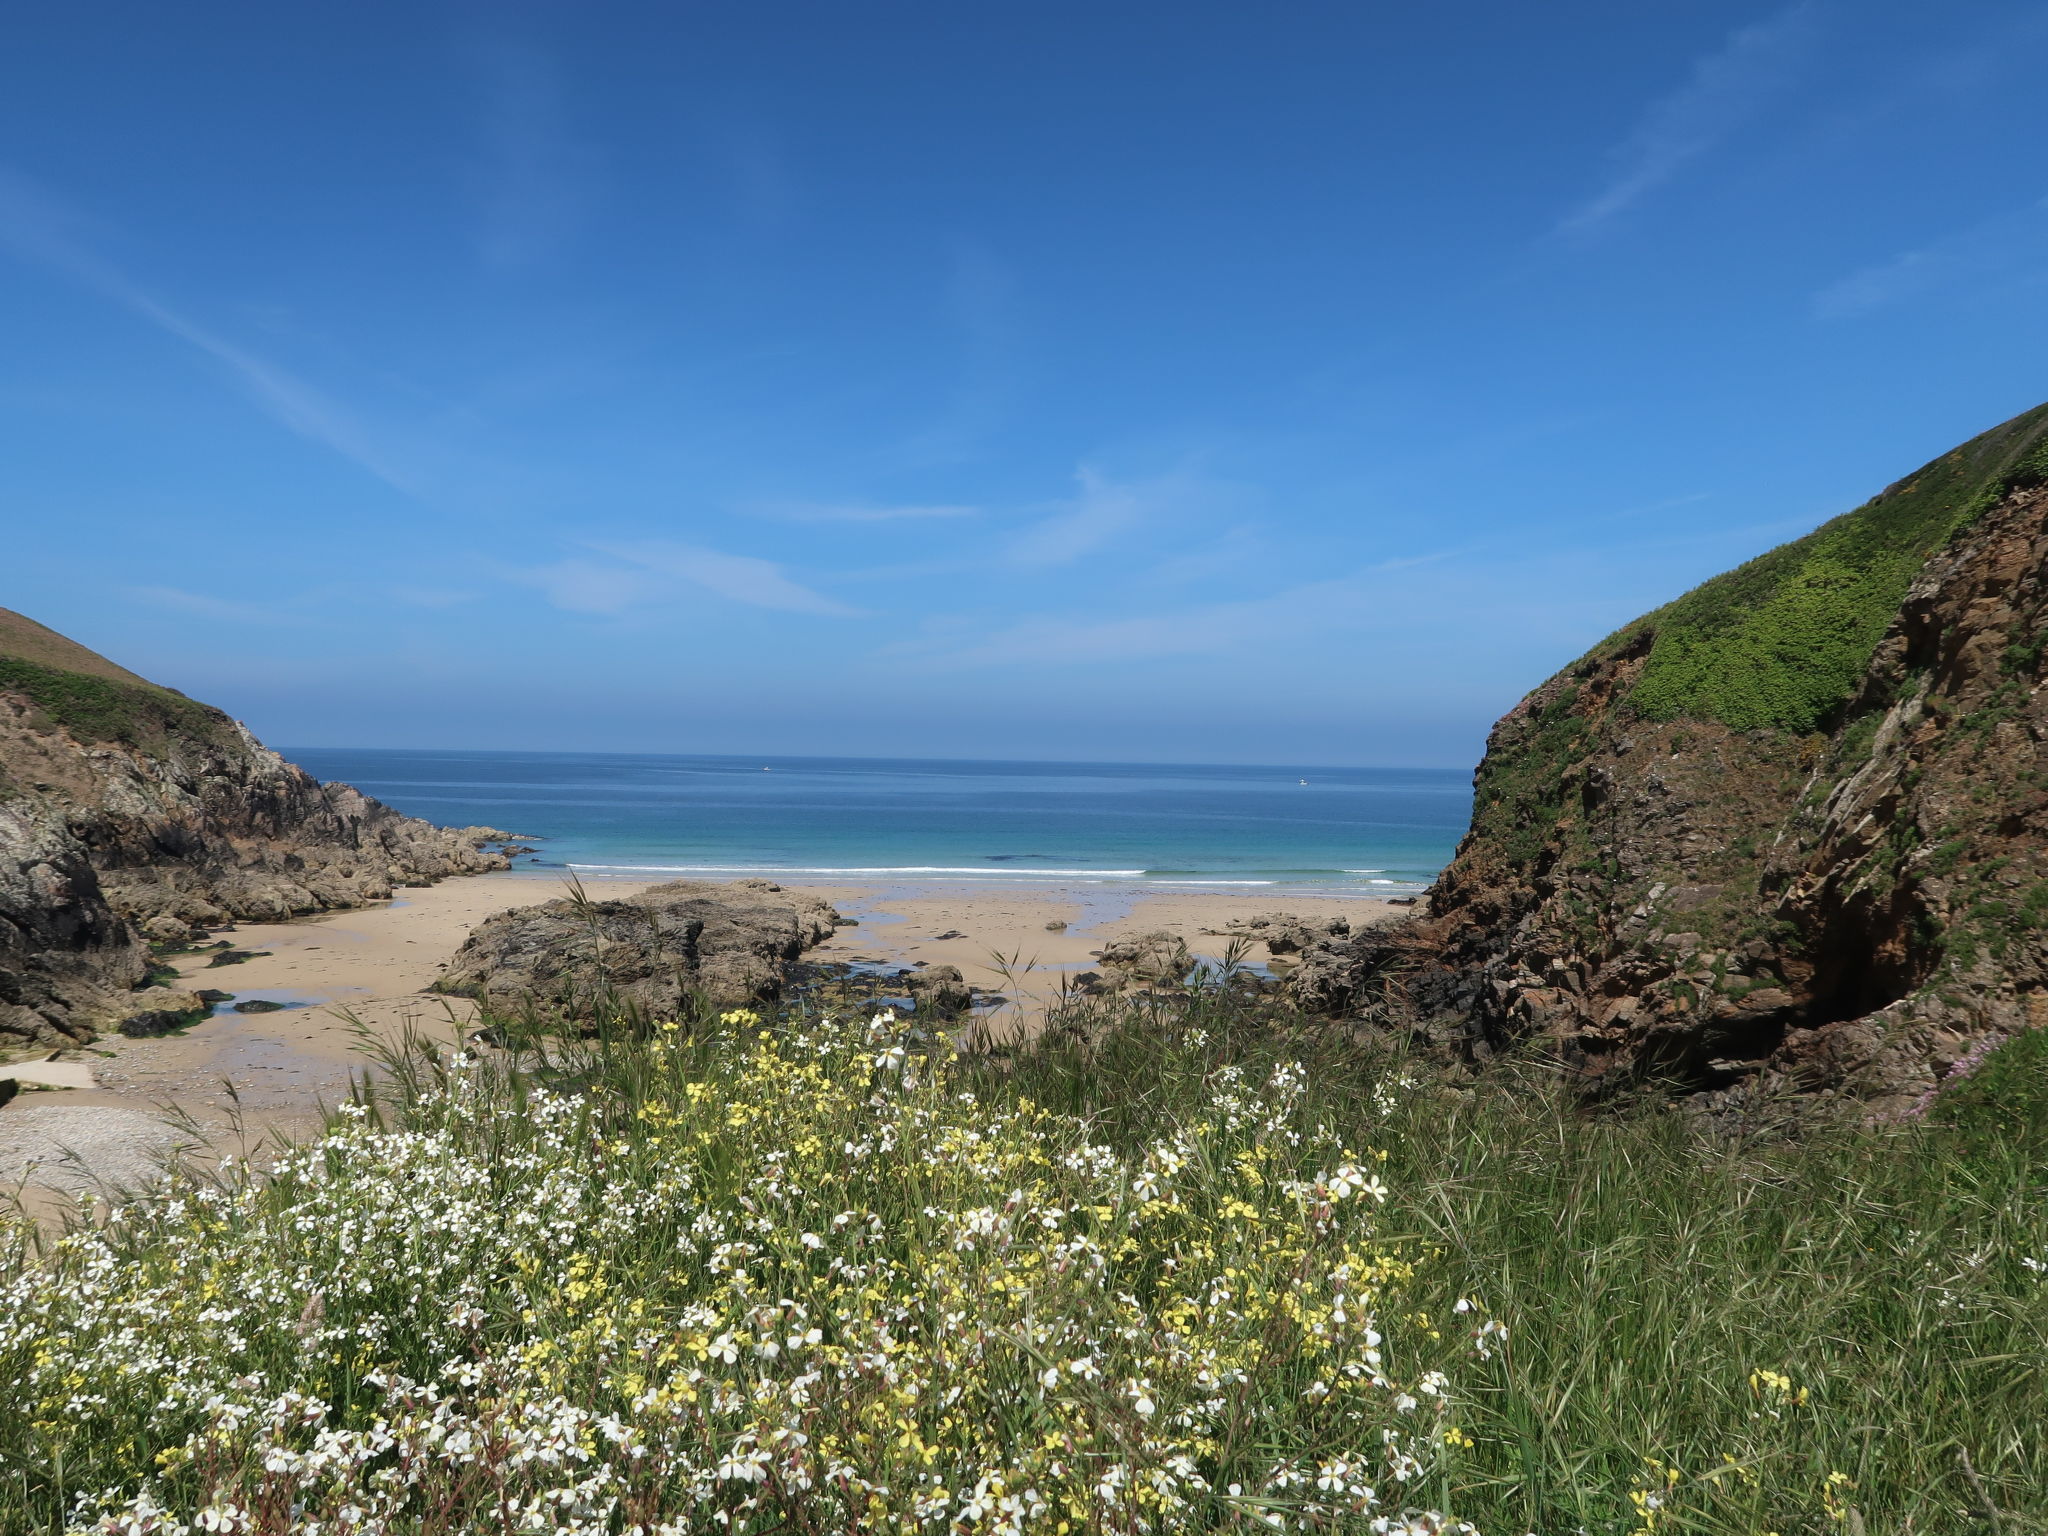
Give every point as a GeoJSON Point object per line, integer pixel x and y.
{"type": "Point", "coordinates": [1832, 1325]}
{"type": "Point", "coordinates": [1184, 1264]}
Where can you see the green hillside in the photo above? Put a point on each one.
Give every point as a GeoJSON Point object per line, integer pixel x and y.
{"type": "Point", "coordinates": [1782, 641]}
{"type": "Point", "coordinates": [90, 696]}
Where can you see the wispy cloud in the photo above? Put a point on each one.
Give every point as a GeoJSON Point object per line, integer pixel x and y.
{"type": "Point", "coordinates": [979, 303]}
{"type": "Point", "coordinates": [1247, 626]}
{"type": "Point", "coordinates": [534, 173]}
{"type": "Point", "coordinates": [852, 512]}
{"type": "Point", "coordinates": [640, 574]}
{"type": "Point", "coordinates": [1103, 509]}
{"type": "Point", "coordinates": [206, 605]}
{"type": "Point", "coordinates": [1099, 511]}
{"type": "Point", "coordinates": [1726, 88]}
{"type": "Point", "coordinates": [432, 597]}
{"type": "Point", "coordinates": [2013, 245]}
{"type": "Point", "coordinates": [764, 186]}
{"type": "Point", "coordinates": [39, 229]}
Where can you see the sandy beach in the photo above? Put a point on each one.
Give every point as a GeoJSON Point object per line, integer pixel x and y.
{"type": "Point", "coordinates": [346, 972]}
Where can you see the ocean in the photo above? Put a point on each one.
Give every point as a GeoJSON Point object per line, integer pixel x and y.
{"type": "Point", "coordinates": [1352, 831]}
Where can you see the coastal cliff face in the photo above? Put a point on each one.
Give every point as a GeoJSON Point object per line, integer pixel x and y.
{"type": "Point", "coordinates": [1789, 832]}
{"type": "Point", "coordinates": [129, 812]}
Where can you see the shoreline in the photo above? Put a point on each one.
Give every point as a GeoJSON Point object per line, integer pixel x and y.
{"type": "Point", "coordinates": [367, 969]}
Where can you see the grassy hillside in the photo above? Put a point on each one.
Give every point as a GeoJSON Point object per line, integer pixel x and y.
{"type": "Point", "coordinates": [89, 696]}
{"type": "Point", "coordinates": [1180, 1267]}
{"type": "Point", "coordinates": [1783, 640]}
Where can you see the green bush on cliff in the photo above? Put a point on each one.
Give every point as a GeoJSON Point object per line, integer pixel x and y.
{"type": "Point", "coordinates": [96, 709]}
{"type": "Point", "coordinates": [1782, 641]}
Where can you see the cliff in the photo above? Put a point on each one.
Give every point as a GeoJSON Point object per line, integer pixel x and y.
{"type": "Point", "coordinates": [129, 812]}
{"type": "Point", "coordinates": [1789, 832]}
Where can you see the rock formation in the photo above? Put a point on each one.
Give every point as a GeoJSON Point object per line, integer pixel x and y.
{"type": "Point", "coordinates": [940, 989]}
{"type": "Point", "coordinates": [1789, 832]}
{"type": "Point", "coordinates": [1158, 959]}
{"type": "Point", "coordinates": [129, 812]}
{"type": "Point", "coordinates": [728, 942]}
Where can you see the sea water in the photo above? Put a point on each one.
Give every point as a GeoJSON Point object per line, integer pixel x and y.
{"type": "Point", "coordinates": [1359, 831]}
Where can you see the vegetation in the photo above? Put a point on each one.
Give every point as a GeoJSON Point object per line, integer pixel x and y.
{"type": "Point", "coordinates": [1782, 641]}
{"type": "Point", "coordinates": [97, 709]}
{"type": "Point", "coordinates": [1178, 1266]}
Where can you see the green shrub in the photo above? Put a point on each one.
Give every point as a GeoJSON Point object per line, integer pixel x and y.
{"type": "Point", "coordinates": [96, 709]}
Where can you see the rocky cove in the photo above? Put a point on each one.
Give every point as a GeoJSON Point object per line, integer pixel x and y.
{"type": "Point", "coordinates": [1786, 835]}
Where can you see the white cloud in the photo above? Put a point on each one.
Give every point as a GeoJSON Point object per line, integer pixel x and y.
{"type": "Point", "coordinates": [837, 512]}
{"type": "Point", "coordinates": [1100, 511]}
{"type": "Point", "coordinates": [660, 571]}
{"type": "Point", "coordinates": [2011, 244]}
{"type": "Point", "coordinates": [219, 609]}
{"type": "Point", "coordinates": [433, 597]}
{"type": "Point", "coordinates": [36, 228]}
{"type": "Point", "coordinates": [1725, 90]}
{"type": "Point", "coordinates": [1251, 626]}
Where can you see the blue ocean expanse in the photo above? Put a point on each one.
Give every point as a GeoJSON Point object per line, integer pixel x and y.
{"type": "Point", "coordinates": [1360, 831]}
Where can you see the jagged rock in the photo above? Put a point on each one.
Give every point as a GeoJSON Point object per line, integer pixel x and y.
{"type": "Point", "coordinates": [127, 809]}
{"type": "Point", "coordinates": [1056, 927]}
{"type": "Point", "coordinates": [1789, 832]}
{"type": "Point", "coordinates": [1287, 933]}
{"type": "Point", "coordinates": [1158, 959]}
{"type": "Point", "coordinates": [731, 942]}
{"type": "Point", "coordinates": [941, 989]}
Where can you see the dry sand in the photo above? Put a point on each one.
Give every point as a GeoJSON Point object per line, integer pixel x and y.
{"type": "Point", "coordinates": [241, 1076]}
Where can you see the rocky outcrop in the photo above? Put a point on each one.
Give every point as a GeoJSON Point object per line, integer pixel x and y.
{"type": "Point", "coordinates": [129, 812]}
{"type": "Point", "coordinates": [1788, 834]}
{"type": "Point", "coordinates": [1159, 959]}
{"type": "Point", "coordinates": [1287, 933]}
{"type": "Point", "coordinates": [730, 943]}
{"type": "Point", "coordinates": [940, 989]}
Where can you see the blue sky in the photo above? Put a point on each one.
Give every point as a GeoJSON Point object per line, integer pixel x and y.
{"type": "Point", "coordinates": [1213, 382]}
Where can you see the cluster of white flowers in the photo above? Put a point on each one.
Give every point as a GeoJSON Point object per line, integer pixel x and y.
{"type": "Point", "coordinates": [807, 1281]}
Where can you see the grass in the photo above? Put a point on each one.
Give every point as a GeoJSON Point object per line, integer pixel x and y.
{"type": "Point", "coordinates": [100, 709]}
{"type": "Point", "coordinates": [1180, 1265]}
{"type": "Point", "coordinates": [1782, 641]}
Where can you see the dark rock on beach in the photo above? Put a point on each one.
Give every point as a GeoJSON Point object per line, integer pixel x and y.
{"type": "Point", "coordinates": [941, 989]}
{"type": "Point", "coordinates": [730, 942]}
{"type": "Point", "coordinates": [161, 1010]}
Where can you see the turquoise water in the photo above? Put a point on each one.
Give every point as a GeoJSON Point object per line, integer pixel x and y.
{"type": "Point", "coordinates": [1362, 831]}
